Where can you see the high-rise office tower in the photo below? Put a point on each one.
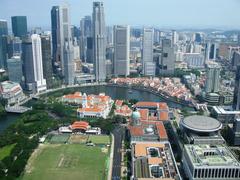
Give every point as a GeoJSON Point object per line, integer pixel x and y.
{"type": "Point", "coordinates": [109, 35]}
{"type": "Point", "coordinates": [121, 50]}
{"type": "Point", "coordinates": [174, 37]}
{"type": "Point", "coordinates": [69, 63]}
{"type": "Point", "coordinates": [207, 51]}
{"type": "Point", "coordinates": [86, 32]}
{"type": "Point", "coordinates": [3, 43]}
{"type": "Point", "coordinates": [40, 82]}
{"type": "Point", "coordinates": [55, 25]}
{"type": "Point", "coordinates": [14, 66]}
{"type": "Point", "coordinates": [62, 36]}
{"type": "Point", "coordinates": [89, 51]}
{"type": "Point", "coordinates": [213, 78]}
{"type": "Point", "coordinates": [14, 46]}
{"type": "Point", "coordinates": [197, 38]}
{"type": "Point", "coordinates": [19, 26]}
{"type": "Point", "coordinates": [28, 71]}
{"type": "Point", "coordinates": [157, 36]}
{"type": "Point", "coordinates": [167, 62]}
{"type": "Point", "coordinates": [236, 96]}
{"type": "Point", "coordinates": [238, 39]}
{"type": "Point", "coordinates": [99, 41]}
{"type": "Point", "coordinates": [46, 59]}
{"type": "Point", "coordinates": [235, 60]}
{"type": "Point", "coordinates": [32, 64]}
{"type": "Point", "coordinates": [213, 51]}
{"type": "Point", "coordinates": [3, 27]}
{"type": "Point", "coordinates": [149, 66]}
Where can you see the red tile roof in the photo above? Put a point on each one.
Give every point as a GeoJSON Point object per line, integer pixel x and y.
{"type": "Point", "coordinates": [118, 102]}
{"type": "Point", "coordinates": [163, 116]}
{"type": "Point", "coordinates": [161, 130]}
{"type": "Point", "coordinates": [144, 114]}
{"type": "Point", "coordinates": [80, 125]}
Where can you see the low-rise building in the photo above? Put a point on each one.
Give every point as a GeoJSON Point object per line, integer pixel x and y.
{"type": "Point", "coordinates": [224, 115]}
{"type": "Point", "coordinates": [80, 127]}
{"type": "Point", "coordinates": [121, 109]}
{"type": "Point", "coordinates": [154, 110]}
{"type": "Point", "coordinates": [205, 161]}
{"type": "Point", "coordinates": [11, 92]}
{"type": "Point", "coordinates": [153, 160]}
{"type": "Point", "coordinates": [202, 130]}
{"type": "Point", "coordinates": [91, 105]}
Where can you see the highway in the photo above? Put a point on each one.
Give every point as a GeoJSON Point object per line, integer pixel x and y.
{"type": "Point", "coordinates": [119, 135]}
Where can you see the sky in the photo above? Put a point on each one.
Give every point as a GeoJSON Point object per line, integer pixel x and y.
{"type": "Point", "coordinates": [224, 14]}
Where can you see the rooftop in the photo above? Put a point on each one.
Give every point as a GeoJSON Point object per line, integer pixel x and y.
{"type": "Point", "coordinates": [201, 123]}
{"type": "Point", "coordinates": [7, 86]}
{"type": "Point", "coordinates": [149, 129]}
{"type": "Point", "coordinates": [154, 161]}
{"type": "Point", "coordinates": [211, 155]}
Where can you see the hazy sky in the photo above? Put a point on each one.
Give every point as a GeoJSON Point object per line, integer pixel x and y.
{"type": "Point", "coordinates": [162, 13]}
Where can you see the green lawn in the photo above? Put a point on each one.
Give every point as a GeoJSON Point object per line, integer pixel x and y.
{"type": "Point", "coordinates": [6, 150]}
{"type": "Point", "coordinates": [99, 139]}
{"type": "Point", "coordinates": [67, 162]}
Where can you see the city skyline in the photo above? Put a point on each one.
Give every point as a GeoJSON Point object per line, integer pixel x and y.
{"type": "Point", "coordinates": [164, 14]}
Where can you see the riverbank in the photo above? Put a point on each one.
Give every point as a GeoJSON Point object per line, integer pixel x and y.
{"type": "Point", "coordinates": [163, 96]}
{"type": "Point", "coordinates": [115, 91]}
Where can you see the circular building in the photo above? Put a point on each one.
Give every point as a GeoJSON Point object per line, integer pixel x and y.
{"type": "Point", "coordinates": [201, 124]}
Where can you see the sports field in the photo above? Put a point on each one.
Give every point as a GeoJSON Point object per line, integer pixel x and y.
{"type": "Point", "coordinates": [96, 139]}
{"type": "Point", "coordinates": [66, 162]}
{"type": "Point", "coordinates": [59, 139]}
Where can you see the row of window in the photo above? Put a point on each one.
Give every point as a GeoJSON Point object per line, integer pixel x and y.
{"type": "Point", "coordinates": [217, 173]}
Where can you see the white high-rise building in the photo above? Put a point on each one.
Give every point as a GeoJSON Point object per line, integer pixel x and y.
{"type": "Point", "coordinates": [40, 82]}
{"type": "Point", "coordinates": [147, 53]}
{"type": "Point", "coordinates": [174, 37]}
{"type": "Point", "coordinates": [121, 50]}
{"type": "Point", "coordinates": [65, 30]}
{"type": "Point", "coordinates": [213, 77]}
{"type": "Point", "coordinates": [99, 41]}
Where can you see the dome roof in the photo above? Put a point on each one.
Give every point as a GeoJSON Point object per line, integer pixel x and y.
{"type": "Point", "coordinates": [136, 115]}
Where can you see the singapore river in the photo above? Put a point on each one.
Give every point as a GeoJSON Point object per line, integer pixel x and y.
{"type": "Point", "coordinates": [114, 92]}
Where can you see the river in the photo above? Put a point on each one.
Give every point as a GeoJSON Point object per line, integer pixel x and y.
{"type": "Point", "coordinates": [114, 92]}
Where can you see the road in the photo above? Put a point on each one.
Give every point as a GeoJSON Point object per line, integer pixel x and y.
{"type": "Point", "coordinates": [119, 135]}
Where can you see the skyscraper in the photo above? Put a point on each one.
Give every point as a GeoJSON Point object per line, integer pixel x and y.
{"type": "Point", "coordinates": [14, 66]}
{"type": "Point", "coordinates": [40, 82]}
{"type": "Point", "coordinates": [19, 26]}
{"type": "Point", "coordinates": [61, 30]}
{"type": "Point", "coordinates": [46, 59]}
{"type": "Point", "coordinates": [3, 43]}
{"type": "Point", "coordinates": [198, 38]}
{"type": "Point", "coordinates": [238, 39]}
{"type": "Point", "coordinates": [174, 37]}
{"type": "Point", "coordinates": [99, 41]}
{"type": "Point", "coordinates": [14, 46]}
{"type": "Point", "coordinates": [149, 66]}
{"type": "Point", "coordinates": [3, 27]}
{"type": "Point", "coordinates": [86, 32]}
{"type": "Point", "coordinates": [28, 71]}
{"type": "Point", "coordinates": [32, 64]}
{"type": "Point", "coordinates": [109, 35]}
{"type": "Point", "coordinates": [213, 51]}
{"type": "Point", "coordinates": [121, 50]}
{"type": "Point", "coordinates": [55, 25]}
{"type": "Point", "coordinates": [213, 78]}
{"type": "Point", "coordinates": [236, 96]}
{"type": "Point", "coordinates": [69, 63]}
{"type": "Point", "coordinates": [167, 62]}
